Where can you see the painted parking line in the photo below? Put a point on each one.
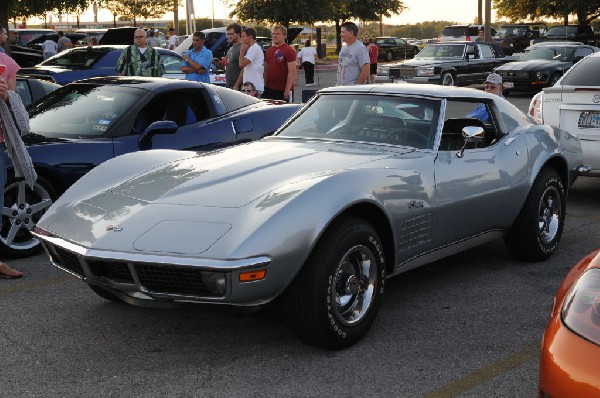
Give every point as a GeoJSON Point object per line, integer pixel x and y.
{"type": "Point", "coordinates": [35, 285]}
{"type": "Point", "coordinates": [485, 374]}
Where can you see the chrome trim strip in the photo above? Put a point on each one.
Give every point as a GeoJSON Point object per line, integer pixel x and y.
{"type": "Point", "coordinates": [204, 263]}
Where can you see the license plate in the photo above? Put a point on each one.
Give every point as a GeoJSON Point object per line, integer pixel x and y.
{"type": "Point", "coordinates": [509, 85]}
{"type": "Point", "coordinates": [589, 120]}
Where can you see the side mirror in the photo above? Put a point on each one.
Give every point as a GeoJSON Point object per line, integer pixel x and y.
{"type": "Point", "coordinates": [159, 127]}
{"type": "Point", "coordinates": [471, 134]}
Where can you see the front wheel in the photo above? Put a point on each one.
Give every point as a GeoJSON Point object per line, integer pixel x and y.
{"type": "Point", "coordinates": [535, 234]}
{"type": "Point", "coordinates": [389, 56]}
{"type": "Point", "coordinates": [334, 299]}
{"type": "Point", "coordinates": [23, 208]}
{"type": "Point", "coordinates": [447, 79]}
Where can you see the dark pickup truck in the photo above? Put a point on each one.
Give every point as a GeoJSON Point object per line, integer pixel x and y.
{"type": "Point", "coordinates": [514, 38]}
{"type": "Point", "coordinates": [448, 64]}
{"type": "Point", "coordinates": [578, 33]}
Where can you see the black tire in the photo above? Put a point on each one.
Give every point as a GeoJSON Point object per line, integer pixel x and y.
{"type": "Point", "coordinates": [553, 79]}
{"type": "Point", "coordinates": [535, 234]}
{"type": "Point", "coordinates": [389, 56]}
{"type": "Point", "coordinates": [105, 294]}
{"type": "Point", "coordinates": [447, 79]}
{"type": "Point", "coordinates": [334, 299]}
{"type": "Point", "coordinates": [25, 206]}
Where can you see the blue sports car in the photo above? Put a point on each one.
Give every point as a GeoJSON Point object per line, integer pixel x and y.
{"type": "Point", "coordinates": [82, 124]}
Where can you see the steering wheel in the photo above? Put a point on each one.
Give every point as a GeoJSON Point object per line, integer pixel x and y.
{"type": "Point", "coordinates": [415, 136]}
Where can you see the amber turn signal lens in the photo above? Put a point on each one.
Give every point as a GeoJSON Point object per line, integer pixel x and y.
{"type": "Point", "coordinates": [253, 276]}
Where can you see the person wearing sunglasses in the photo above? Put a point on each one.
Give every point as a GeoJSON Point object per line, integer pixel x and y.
{"type": "Point", "coordinates": [249, 88]}
{"type": "Point", "coordinates": [139, 59]}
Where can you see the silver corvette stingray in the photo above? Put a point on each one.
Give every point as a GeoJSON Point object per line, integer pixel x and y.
{"type": "Point", "coordinates": [364, 183]}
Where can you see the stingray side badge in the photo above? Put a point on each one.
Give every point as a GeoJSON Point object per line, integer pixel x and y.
{"type": "Point", "coordinates": [111, 227]}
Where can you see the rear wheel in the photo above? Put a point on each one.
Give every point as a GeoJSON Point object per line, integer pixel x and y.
{"type": "Point", "coordinates": [447, 79]}
{"type": "Point", "coordinates": [334, 299]}
{"type": "Point", "coordinates": [553, 79]}
{"type": "Point", "coordinates": [23, 208]}
{"type": "Point", "coordinates": [535, 234]}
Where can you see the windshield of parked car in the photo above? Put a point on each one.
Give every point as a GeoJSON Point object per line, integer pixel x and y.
{"type": "Point", "coordinates": [510, 31]}
{"type": "Point", "coordinates": [557, 53]}
{"type": "Point", "coordinates": [584, 73]}
{"type": "Point", "coordinates": [76, 58]}
{"type": "Point", "coordinates": [82, 110]}
{"type": "Point", "coordinates": [396, 120]}
{"type": "Point", "coordinates": [564, 31]}
{"type": "Point", "coordinates": [442, 51]}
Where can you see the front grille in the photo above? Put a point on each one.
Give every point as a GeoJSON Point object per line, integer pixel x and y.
{"type": "Point", "coordinates": [172, 279]}
{"type": "Point", "coordinates": [117, 271]}
{"type": "Point", "coordinates": [68, 260]}
{"type": "Point", "coordinates": [402, 72]}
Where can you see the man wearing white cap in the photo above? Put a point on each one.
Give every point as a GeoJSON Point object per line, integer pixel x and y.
{"type": "Point", "coordinates": [492, 85]}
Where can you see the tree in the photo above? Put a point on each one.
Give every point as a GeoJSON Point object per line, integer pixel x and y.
{"type": "Point", "coordinates": [585, 10]}
{"type": "Point", "coordinates": [143, 9]}
{"type": "Point", "coordinates": [312, 11]}
{"type": "Point", "coordinates": [276, 11]}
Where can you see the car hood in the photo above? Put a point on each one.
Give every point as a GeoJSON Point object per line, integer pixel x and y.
{"type": "Point", "coordinates": [534, 65]}
{"type": "Point", "coordinates": [211, 191]}
{"type": "Point", "coordinates": [237, 176]}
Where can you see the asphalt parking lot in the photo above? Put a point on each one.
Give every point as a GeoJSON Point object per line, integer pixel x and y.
{"type": "Point", "coordinates": [466, 326]}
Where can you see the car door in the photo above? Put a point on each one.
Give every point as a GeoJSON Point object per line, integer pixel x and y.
{"type": "Point", "coordinates": [479, 192]}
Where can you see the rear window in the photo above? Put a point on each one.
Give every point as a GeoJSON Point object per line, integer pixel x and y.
{"type": "Point", "coordinates": [585, 73]}
{"type": "Point", "coordinates": [76, 58]}
{"type": "Point", "coordinates": [455, 31]}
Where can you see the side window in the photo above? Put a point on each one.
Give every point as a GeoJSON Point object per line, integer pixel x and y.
{"type": "Point", "coordinates": [460, 114]}
{"type": "Point", "coordinates": [582, 52]}
{"type": "Point", "coordinates": [485, 51]}
{"type": "Point", "coordinates": [172, 64]}
{"type": "Point", "coordinates": [182, 108]}
{"type": "Point", "coordinates": [22, 88]}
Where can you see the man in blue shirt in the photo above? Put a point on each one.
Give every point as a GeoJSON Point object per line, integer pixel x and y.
{"type": "Point", "coordinates": [196, 62]}
{"type": "Point", "coordinates": [492, 85]}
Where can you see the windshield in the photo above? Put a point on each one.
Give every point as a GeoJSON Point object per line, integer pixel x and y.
{"type": "Point", "coordinates": [550, 53]}
{"type": "Point", "coordinates": [442, 51]}
{"type": "Point", "coordinates": [564, 31]}
{"type": "Point", "coordinates": [82, 110]}
{"type": "Point", "coordinates": [76, 58]}
{"type": "Point", "coordinates": [507, 31]}
{"type": "Point", "coordinates": [404, 121]}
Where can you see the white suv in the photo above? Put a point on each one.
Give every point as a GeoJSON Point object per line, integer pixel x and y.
{"type": "Point", "coordinates": [462, 33]}
{"type": "Point", "coordinates": [573, 104]}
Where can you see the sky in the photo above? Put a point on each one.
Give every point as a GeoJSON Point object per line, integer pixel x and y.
{"type": "Point", "coordinates": [461, 11]}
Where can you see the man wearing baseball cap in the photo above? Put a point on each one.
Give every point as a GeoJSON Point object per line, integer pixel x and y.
{"type": "Point", "coordinates": [492, 85]}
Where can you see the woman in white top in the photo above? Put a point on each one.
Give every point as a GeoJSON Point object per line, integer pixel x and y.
{"type": "Point", "coordinates": [307, 57]}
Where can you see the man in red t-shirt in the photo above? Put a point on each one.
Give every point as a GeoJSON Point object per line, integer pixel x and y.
{"type": "Point", "coordinates": [280, 67]}
{"type": "Point", "coordinates": [373, 55]}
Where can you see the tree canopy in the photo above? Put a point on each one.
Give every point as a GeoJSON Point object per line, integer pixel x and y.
{"type": "Point", "coordinates": [515, 10]}
{"type": "Point", "coordinates": [312, 11]}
